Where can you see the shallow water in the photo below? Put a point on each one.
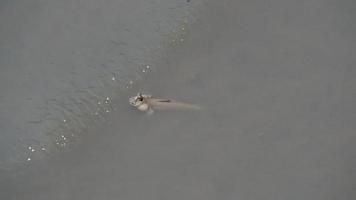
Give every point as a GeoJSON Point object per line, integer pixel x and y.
{"type": "Point", "coordinates": [277, 89]}
{"type": "Point", "coordinates": [63, 63]}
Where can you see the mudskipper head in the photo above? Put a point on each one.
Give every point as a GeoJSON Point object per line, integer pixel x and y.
{"type": "Point", "coordinates": [136, 100]}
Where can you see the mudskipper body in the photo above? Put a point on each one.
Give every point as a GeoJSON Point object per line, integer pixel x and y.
{"type": "Point", "coordinates": [147, 103]}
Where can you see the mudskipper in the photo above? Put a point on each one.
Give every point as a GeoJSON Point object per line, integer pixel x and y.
{"type": "Point", "coordinates": [147, 103]}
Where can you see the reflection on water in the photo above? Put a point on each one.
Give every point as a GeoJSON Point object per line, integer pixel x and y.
{"type": "Point", "coordinates": [71, 77]}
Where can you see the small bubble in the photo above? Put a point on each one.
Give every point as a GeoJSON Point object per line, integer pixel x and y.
{"type": "Point", "coordinates": [107, 99]}
{"type": "Point", "coordinates": [43, 149]}
{"type": "Point", "coordinates": [107, 111]}
{"type": "Point", "coordinates": [147, 66]}
{"type": "Point", "coordinates": [28, 159]}
{"type": "Point", "coordinates": [32, 150]}
{"type": "Point", "coordinates": [143, 71]}
{"type": "Point", "coordinates": [64, 120]}
{"type": "Point", "coordinates": [29, 147]}
{"type": "Point", "coordinates": [113, 78]}
{"type": "Point", "coordinates": [99, 102]}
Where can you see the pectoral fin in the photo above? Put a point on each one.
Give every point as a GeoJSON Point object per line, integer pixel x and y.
{"type": "Point", "coordinates": [150, 111]}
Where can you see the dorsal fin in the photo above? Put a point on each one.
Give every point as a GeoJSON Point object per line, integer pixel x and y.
{"type": "Point", "coordinates": [164, 100]}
